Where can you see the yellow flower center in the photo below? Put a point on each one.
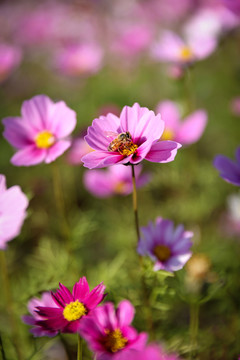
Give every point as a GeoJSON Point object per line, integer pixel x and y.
{"type": "Point", "coordinates": [74, 311]}
{"type": "Point", "coordinates": [186, 53]}
{"type": "Point", "coordinates": [120, 187]}
{"type": "Point", "coordinates": [114, 340]}
{"type": "Point", "coordinates": [162, 252]}
{"type": "Point", "coordinates": [44, 140]}
{"type": "Point", "coordinates": [167, 135]}
{"type": "Point", "coordinates": [123, 144]}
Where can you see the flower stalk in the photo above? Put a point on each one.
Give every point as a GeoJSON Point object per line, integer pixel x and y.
{"type": "Point", "coordinates": [79, 351]}
{"type": "Point", "coordinates": [135, 203]}
{"type": "Point", "coordinates": [193, 328]}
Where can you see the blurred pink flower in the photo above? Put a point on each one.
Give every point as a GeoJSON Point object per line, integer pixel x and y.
{"type": "Point", "coordinates": [171, 48]}
{"type": "Point", "coordinates": [130, 138]}
{"type": "Point", "coordinates": [185, 132]}
{"type": "Point", "coordinates": [10, 57]}
{"type": "Point", "coordinates": [116, 180]}
{"type": "Point", "coordinates": [37, 330]}
{"type": "Point", "coordinates": [235, 106]}
{"type": "Point", "coordinates": [230, 221]}
{"type": "Point", "coordinates": [13, 205]}
{"type": "Point", "coordinates": [168, 248]}
{"type": "Point", "coordinates": [40, 134]}
{"type": "Point", "coordinates": [109, 108]}
{"type": "Point", "coordinates": [82, 59]}
{"type": "Point", "coordinates": [233, 5]}
{"type": "Point", "coordinates": [150, 352]}
{"type": "Point", "coordinates": [131, 39]}
{"type": "Point", "coordinates": [70, 308]}
{"type": "Point", "coordinates": [109, 333]}
{"type": "Point", "coordinates": [78, 149]}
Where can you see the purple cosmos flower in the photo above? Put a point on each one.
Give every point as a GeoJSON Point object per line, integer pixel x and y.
{"type": "Point", "coordinates": [130, 138]}
{"type": "Point", "coordinates": [168, 248]}
{"type": "Point", "coordinates": [171, 48]}
{"type": "Point", "coordinates": [185, 132]}
{"type": "Point", "coordinates": [117, 180]}
{"type": "Point", "coordinates": [10, 57]}
{"type": "Point", "coordinates": [109, 333]}
{"type": "Point", "coordinates": [40, 134]}
{"type": "Point", "coordinates": [13, 205]}
{"type": "Point", "coordinates": [37, 330]}
{"type": "Point", "coordinates": [83, 59]}
{"type": "Point", "coordinates": [70, 308]}
{"type": "Point", "coordinates": [229, 170]}
{"type": "Point", "coordinates": [151, 352]}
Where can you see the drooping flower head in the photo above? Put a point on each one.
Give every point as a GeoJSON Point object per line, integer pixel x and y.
{"type": "Point", "coordinates": [185, 132]}
{"type": "Point", "coordinates": [229, 169]}
{"type": "Point", "coordinates": [150, 352]}
{"type": "Point", "coordinates": [117, 180]}
{"type": "Point", "coordinates": [39, 135]}
{"type": "Point", "coordinates": [10, 57]}
{"type": "Point", "coordinates": [109, 333]}
{"type": "Point", "coordinates": [13, 205]}
{"type": "Point", "coordinates": [130, 138]}
{"type": "Point", "coordinates": [70, 308]}
{"type": "Point", "coordinates": [46, 300]}
{"type": "Point", "coordinates": [169, 248]}
{"type": "Point", "coordinates": [171, 48]}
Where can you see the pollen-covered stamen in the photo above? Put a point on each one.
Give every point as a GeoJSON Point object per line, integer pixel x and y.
{"type": "Point", "coordinates": [186, 53]}
{"type": "Point", "coordinates": [44, 140]}
{"type": "Point", "coordinates": [74, 311]}
{"type": "Point", "coordinates": [167, 135]}
{"type": "Point", "coordinates": [114, 340]}
{"type": "Point", "coordinates": [162, 252]}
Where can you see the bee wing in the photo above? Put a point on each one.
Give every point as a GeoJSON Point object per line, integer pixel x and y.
{"type": "Point", "coordinates": [111, 134]}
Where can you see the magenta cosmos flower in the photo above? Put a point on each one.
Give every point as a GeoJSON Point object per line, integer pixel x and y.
{"type": "Point", "coordinates": [39, 135]}
{"type": "Point", "coordinates": [185, 132]}
{"type": "Point", "coordinates": [13, 205]}
{"type": "Point", "coordinates": [150, 352]}
{"type": "Point", "coordinates": [171, 48]}
{"type": "Point", "coordinates": [109, 333]}
{"type": "Point", "coordinates": [70, 308]}
{"type": "Point", "coordinates": [47, 301]}
{"type": "Point", "coordinates": [10, 57]}
{"type": "Point", "coordinates": [169, 248]}
{"type": "Point", "coordinates": [130, 138]}
{"type": "Point", "coordinates": [229, 169]}
{"type": "Point", "coordinates": [117, 180]}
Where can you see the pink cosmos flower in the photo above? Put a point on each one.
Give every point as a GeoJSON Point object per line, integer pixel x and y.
{"type": "Point", "coordinates": [70, 308]}
{"type": "Point", "coordinates": [109, 333]}
{"type": "Point", "coordinates": [13, 205]}
{"type": "Point", "coordinates": [130, 138]}
{"type": "Point", "coordinates": [185, 132]}
{"type": "Point", "coordinates": [235, 106]}
{"type": "Point", "coordinates": [37, 330]}
{"type": "Point", "coordinates": [171, 48]}
{"type": "Point", "coordinates": [229, 170]}
{"type": "Point", "coordinates": [168, 248]}
{"type": "Point", "coordinates": [39, 135]}
{"type": "Point", "coordinates": [10, 57]}
{"type": "Point", "coordinates": [117, 180]}
{"type": "Point", "coordinates": [78, 149]}
{"type": "Point", "coordinates": [233, 5]}
{"type": "Point", "coordinates": [151, 352]}
{"type": "Point", "coordinates": [83, 59]}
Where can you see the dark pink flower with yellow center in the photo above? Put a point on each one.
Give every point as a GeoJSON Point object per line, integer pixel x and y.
{"type": "Point", "coordinates": [130, 138]}
{"type": "Point", "coordinates": [70, 308]}
{"type": "Point", "coordinates": [169, 248]}
{"type": "Point", "coordinates": [109, 333]}
{"type": "Point", "coordinates": [40, 134]}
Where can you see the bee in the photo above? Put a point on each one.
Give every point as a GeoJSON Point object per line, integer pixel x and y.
{"type": "Point", "coordinates": [122, 143]}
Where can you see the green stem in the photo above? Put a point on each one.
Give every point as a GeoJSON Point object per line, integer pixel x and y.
{"type": "Point", "coordinates": [193, 328]}
{"type": "Point", "coordinates": [79, 351]}
{"type": "Point", "coordinates": [9, 305]}
{"type": "Point", "coordinates": [144, 286]}
{"type": "Point", "coordinates": [2, 349]}
{"type": "Point", "coordinates": [59, 198]}
{"type": "Point", "coordinates": [135, 203]}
